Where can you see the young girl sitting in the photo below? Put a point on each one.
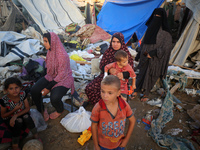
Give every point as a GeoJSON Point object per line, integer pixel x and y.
{"type": "Point", "coordinates": [15, 110]}
{"type": "Point", "coordinates": [121, 65]}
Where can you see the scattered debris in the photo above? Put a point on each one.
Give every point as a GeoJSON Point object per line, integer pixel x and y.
{"type": "Point", "coordinates": [174, 131]}
{"type": "Point", "coordinates": [155, 102]}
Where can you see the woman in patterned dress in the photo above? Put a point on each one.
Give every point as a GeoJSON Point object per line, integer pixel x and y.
{"type": "Point", "coordinates": [117, 43]}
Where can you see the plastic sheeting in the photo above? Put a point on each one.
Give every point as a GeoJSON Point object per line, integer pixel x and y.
{"type": "Point", "coordinates": [53, 15]}
{"type": "Point", "coordinates": [20, 46]}
{"type": "Point", "coordinates": [127, 16]}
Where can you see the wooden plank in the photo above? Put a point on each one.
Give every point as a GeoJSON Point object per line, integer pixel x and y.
{"type": "Point", "coordinates": [175, 87]}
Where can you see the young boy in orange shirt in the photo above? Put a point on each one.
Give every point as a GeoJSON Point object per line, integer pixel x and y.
{"type": "Point", "coordinates": [121, 65]}
{"type": "Point", "coordinates": [109, 116]}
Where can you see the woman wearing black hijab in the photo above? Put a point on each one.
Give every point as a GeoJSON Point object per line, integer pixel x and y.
{"type": "Point", "coordinates": [155, 53]}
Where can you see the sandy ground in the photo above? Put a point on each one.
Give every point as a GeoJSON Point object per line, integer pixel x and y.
{"type": "Point", "coordinates": [57, 137]}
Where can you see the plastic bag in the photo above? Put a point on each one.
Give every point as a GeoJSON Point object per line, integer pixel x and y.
{"type": "Point", "coordinates": [77, 121]}
{"type": "Point", "coordinates": [76, 57]}
{"type": "Point", "coordinates": [38, 119]}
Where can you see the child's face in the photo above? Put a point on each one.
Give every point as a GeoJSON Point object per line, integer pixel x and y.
{"type": "Point", "coordinates": [46, 43]}
{"type": "Point", "coordinates": [123, 62]}
{"type": "Point", "coordinates": [13, 89]}
{"type": "Point", "coordinates": [109, 93]}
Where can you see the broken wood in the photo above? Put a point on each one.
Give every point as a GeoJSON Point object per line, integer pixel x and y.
{"type": "Point", "coordinates": [175, 87]}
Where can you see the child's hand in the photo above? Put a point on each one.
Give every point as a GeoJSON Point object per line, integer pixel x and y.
{"type": "Point", "coordinates": [18, 106]}
{"type": "Point", "coordinates": [120, 75]}
{"type": "Point", "coordinates": [133, 87]}
{"type": "Point", "coordinates": [113, 71]}
{"type": "Point", "coordinates": [123, 143]}
{"type": "Point", "coordinates": [97, 148]}
{"type": "Point", "coordinates": [45, 92]}
{"type": "Point", "coordinates": [12, 121]}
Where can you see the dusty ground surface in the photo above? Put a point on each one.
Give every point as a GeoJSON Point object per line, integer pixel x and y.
{"type": "Point", "coordinates": [57, 137]}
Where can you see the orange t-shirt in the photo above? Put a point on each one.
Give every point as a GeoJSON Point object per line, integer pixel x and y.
{"type": "Point", "coordinates": [110, 128]}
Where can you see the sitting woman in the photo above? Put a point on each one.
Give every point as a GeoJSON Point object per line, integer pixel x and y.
{"type": "Point", "coordinates": [117, 43]}
{"type": "Point", "coordinates": [58, 79]}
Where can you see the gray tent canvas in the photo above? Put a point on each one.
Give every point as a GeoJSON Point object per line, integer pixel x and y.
{"type": "Point", "coordinates": [53, 15]}
{"type": "Point", "coordinates": [188, 43]}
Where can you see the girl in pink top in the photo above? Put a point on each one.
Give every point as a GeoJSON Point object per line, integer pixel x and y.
{"type": "Point", "coordinates": [58, 79]}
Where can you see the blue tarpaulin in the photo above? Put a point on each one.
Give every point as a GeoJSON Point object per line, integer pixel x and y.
{"type": "Point", "coordinates": [126, 16]}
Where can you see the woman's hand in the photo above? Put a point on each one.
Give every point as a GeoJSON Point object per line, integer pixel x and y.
{"type": "Point", "coordinates": [148, 56]}
{"type": "Point", "coordinates": [45, 92]}
{"type": "Point", "coordinates": [12, 120]}
{"type": "Point", "coordinates": [112, 71]}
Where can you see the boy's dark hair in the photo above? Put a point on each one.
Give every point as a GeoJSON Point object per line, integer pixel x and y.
{"type": "Point", "coordinates": [12, 80]}
{"type": "Point", "coordinates": [110, 80]}
{"type": "Point", "coordinates": [120, 54]}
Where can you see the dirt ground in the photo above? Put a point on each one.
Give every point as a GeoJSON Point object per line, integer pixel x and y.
{"type": "Point", "coordinates": [57, 137]}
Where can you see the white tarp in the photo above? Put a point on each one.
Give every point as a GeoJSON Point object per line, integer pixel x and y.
{"type": "Point", "coordinates": [187, 43]}
{"type": "Point", "coordinates": [21, 47]}
{"type": "Point", "coordinates": [53, 15]}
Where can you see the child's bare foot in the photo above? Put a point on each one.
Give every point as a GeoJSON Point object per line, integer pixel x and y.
{"type": "Point", "coordinates": [45, 115]}
{"type": "Point", "coordinates": [54, 115]}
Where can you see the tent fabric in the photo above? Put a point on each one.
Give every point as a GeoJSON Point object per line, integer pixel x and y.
{"type": "Point", "coordinates": [187, 43]}
{"type": "Point", "coordinates": [193, 5]}
{"type": "Point", "coordinates": [11, 16]}
{"type": "Point", "coordinates": [126, 16]}
{"type": "Point", "coordinates": [21, 47]}
{"type": "Point", "coordinates": [53, 15]}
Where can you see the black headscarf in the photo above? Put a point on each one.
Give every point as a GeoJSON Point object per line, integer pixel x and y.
{"type": "Point", "coordinates": [154, 23]}
{"type": "Point", "coordinates": [118, 37]}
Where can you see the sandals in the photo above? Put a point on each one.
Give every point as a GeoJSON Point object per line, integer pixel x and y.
{"type": "Point", "coordinates": [133, 95]}
{"type": "Point", "coordinates": [46, 115]}
{"type": "Point", "coordinates": [144, 98]}
{"type": "Point", "coordinates": [54, 115]}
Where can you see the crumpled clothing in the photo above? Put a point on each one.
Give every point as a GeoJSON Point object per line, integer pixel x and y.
{"type": "Point", "coordinates": [85, 31]}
